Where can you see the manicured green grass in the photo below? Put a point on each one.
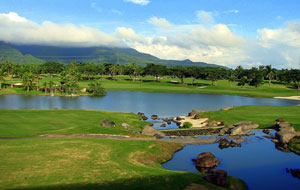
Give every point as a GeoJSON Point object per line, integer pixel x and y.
{"type": "Point", "coordinates": [29, 123]}
{"type": "Point", "coordinates": [93, 164]}
{"type": "Point", "coordinates": [201, 86]}
{"type": "Point", "coordinates": [264, 115]}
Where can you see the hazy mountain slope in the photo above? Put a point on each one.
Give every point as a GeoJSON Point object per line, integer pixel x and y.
{"type": "Point", "coordinates": [87, 54]}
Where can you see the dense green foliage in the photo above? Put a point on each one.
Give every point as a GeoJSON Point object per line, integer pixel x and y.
{"type": "Point", "coordinates": [264, 115]}
{"type": "Point", "coordinates": [187, 125]}
{"type": "Point", "coordinates": [96, 89]}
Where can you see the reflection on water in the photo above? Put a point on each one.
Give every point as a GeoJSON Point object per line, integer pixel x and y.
{"type": "Point", "coordinates": [161, 104]}
{"type": "Point", "coordinates": [257, 162]}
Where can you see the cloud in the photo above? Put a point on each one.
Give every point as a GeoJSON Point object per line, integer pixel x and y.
{"type": "Point", "coordinates": [213, 43]}
{"type": "Point", "coordinates": [160, 22]}
{"type": "Point", "coordinates": [205, 17]}
{"type": "Point", "coordinates": [235, 11]}
{"type": "Point", "coordinates": [139, 2]}
{"type": "Point", "coordinates": [17, 29]}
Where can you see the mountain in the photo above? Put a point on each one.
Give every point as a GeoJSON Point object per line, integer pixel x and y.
{"type": "Point", "coordinates": [41, 53]}
{"type": "Point", "coordinates": [15, 56]}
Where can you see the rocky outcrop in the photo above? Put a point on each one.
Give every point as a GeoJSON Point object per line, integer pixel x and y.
{"type": "Point", "coordinates": [163, 125]}
{"type": "Point", "coordinates": [285, 132]}
{"type": "Point", "coordinates": [143, 116]}
{"type": "Point", "coordinates": [126, 126]}
{"type": "Point", "coordinates": [224, 143]}
{"type": "Point", "coordinates": [106, 123]}
{"type": "Point", "coordinates": [154, 117]}
{"type": "Point", "coordinates": [243, 128]}
{"type": "Point", "coordinates": [217, 177]}
{"type": "Point", "coordinates": [148, 130]}
{"type": "Point", "coordinates": [195, 112]}
{"type": "Point", "coordinates": [295, 172]}
{"type": "Point", "coordinates": [207, 160]}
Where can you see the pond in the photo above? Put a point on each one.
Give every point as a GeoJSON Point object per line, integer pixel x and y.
{"type": "Point", "coordinates": [161, 104]}
{"type": "Point", "coordinates": [257, 162]}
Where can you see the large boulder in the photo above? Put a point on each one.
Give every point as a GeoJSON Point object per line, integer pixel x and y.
{"type": "Point", "coordinates": [243, 128]}
{"type": "Point", "coordinates": [207, 160]}
{"type": "Point", "coordinates": [148, 130]}
{"type": "Point", "coordinates": [106, 123]}
{"type": "Point", "coordinates": [285, 132]}
{"type": "Point", "coordinates": [195, 112]}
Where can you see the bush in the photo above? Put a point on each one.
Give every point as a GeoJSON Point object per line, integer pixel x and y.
{"type": "Point", "coordinates": [187, 125]}
{"type": "Point", "coordinates": [96, 89]}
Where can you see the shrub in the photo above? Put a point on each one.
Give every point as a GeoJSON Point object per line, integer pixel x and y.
{"type": "Point", "coordinates": [96, 89]}
{"type": "Point", "coordinates": [187, 125]}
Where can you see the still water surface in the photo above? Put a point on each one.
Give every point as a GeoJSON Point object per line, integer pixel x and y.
{"type": "Point", "coordinates": [162, 104]}
{"type": "Point", "coordinates": [257, 162]}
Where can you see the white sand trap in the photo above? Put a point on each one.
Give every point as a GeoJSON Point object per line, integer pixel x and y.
{"type": "Point", "coordinates": [196, 122]}
{"type": "Point", "coordinates": [289, 97]}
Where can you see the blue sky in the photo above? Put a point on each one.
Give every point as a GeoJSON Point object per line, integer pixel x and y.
{"type": "Point", "coordinates": [228, 32]}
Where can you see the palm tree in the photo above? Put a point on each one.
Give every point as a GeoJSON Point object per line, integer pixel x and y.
{"type": "Point", "coordinates": [270, 73]}
{"type": "Point", "coordinates": [2, 75]}
{"type": "Point", "coordinates": [27, 81]}
{"type": "Point", "coordinates": [51, 84]}
{"type": "Point", "coordinates": [45, 84]}
{"type": "Point", "coordinates": [134, 67]}
{"type": "Point", "coordinates": [113, 69]}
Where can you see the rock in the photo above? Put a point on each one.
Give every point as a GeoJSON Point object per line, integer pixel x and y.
{"type": "Point", "coordinates": [280, 120]}
{"type": "Point", "coordinates": [178, 124]}
{"type": "Point", "coordinates": [225, 130]}
{"type": "Point", "coordinates": [216, 179]}
{"type": "Point", "coordinates": [151, 124]}
{"type": "Point", "coordinates": [169, 122]}
{"type": "Point", "coordinates": [126, 126]}
{"type": "Point", "coordinates": [163, 125]}
{"type": "Point", "coordinates": [196, 117]}
{"type": "Point", "coordinates": [295, 172]}
{"type": "Point", "coordinates": [224, 143]}
{"type": "Point", "coordinates": [106, 123]}
{"type": "Point", "coordinates": [284, 136]}
{"type": "Point", "coordinates": [165, 119]}
{"type": "Point", "coordinates": [179, 118]}
{"type": "Point", "coordinates": [218, 172]}
{"type": "Point", "coordinates": [148, 130]}
{"type": "Point", "coordinates": [285, 132]}
{"type": "Point", "coordinates": [207, 160]}
{"type": "Point", "coordinates": [140, 113]}
{"type": "Point", "coordinates": [243, 128]}
{"type": "Point", "coordinates": [212, 124]}
{"type": "Point", "coordinates": [195, 112]}
{"type": "Point", "coordinates": [275, 140]}
{"type": "Point", "coordinates": [266, 131]}
{"type": "Point", "coordinates": [144, 117]}
{"type": "Point", "coordinates": [154, 117]}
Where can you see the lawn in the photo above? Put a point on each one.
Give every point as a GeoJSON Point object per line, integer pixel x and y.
{"type": "Point", "coordinates": [264, 115]}
{"type": "Point", "coordinates": [148, 84]}
{"type": "Point", "coordinates": [29, 123]}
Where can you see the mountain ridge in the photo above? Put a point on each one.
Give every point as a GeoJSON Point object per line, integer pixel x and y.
{"type": "Point", "coordinates": [43, 53]}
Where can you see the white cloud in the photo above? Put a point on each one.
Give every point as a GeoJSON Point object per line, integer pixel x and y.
{"type": "Point", "coordinates": [160, 22]}
{"type": "Point", "coordinates": [17, 29]}
{"type": "Point", "coordinates": [140, 2]}
{"type": "Point", "coordinates": [235, 11]}
{"type": "Point", "coordinates": [214, 43]}
{"type": "Point", "coordinates": [205, 17]}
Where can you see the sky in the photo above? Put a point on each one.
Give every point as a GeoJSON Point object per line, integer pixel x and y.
{"type": "Point", "coordinates": [225, 32]}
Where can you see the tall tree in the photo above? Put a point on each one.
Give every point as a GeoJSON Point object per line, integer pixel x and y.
{"type": "Point", "coordinates": [28, 81]}
{"type": "Point", "coordinates": [270, 73]}
{"type": "Point", "coordinates": [2, 77]}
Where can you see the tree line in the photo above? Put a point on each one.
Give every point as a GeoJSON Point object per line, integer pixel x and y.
{"type": "Point", "coordinates": [73, 72]}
